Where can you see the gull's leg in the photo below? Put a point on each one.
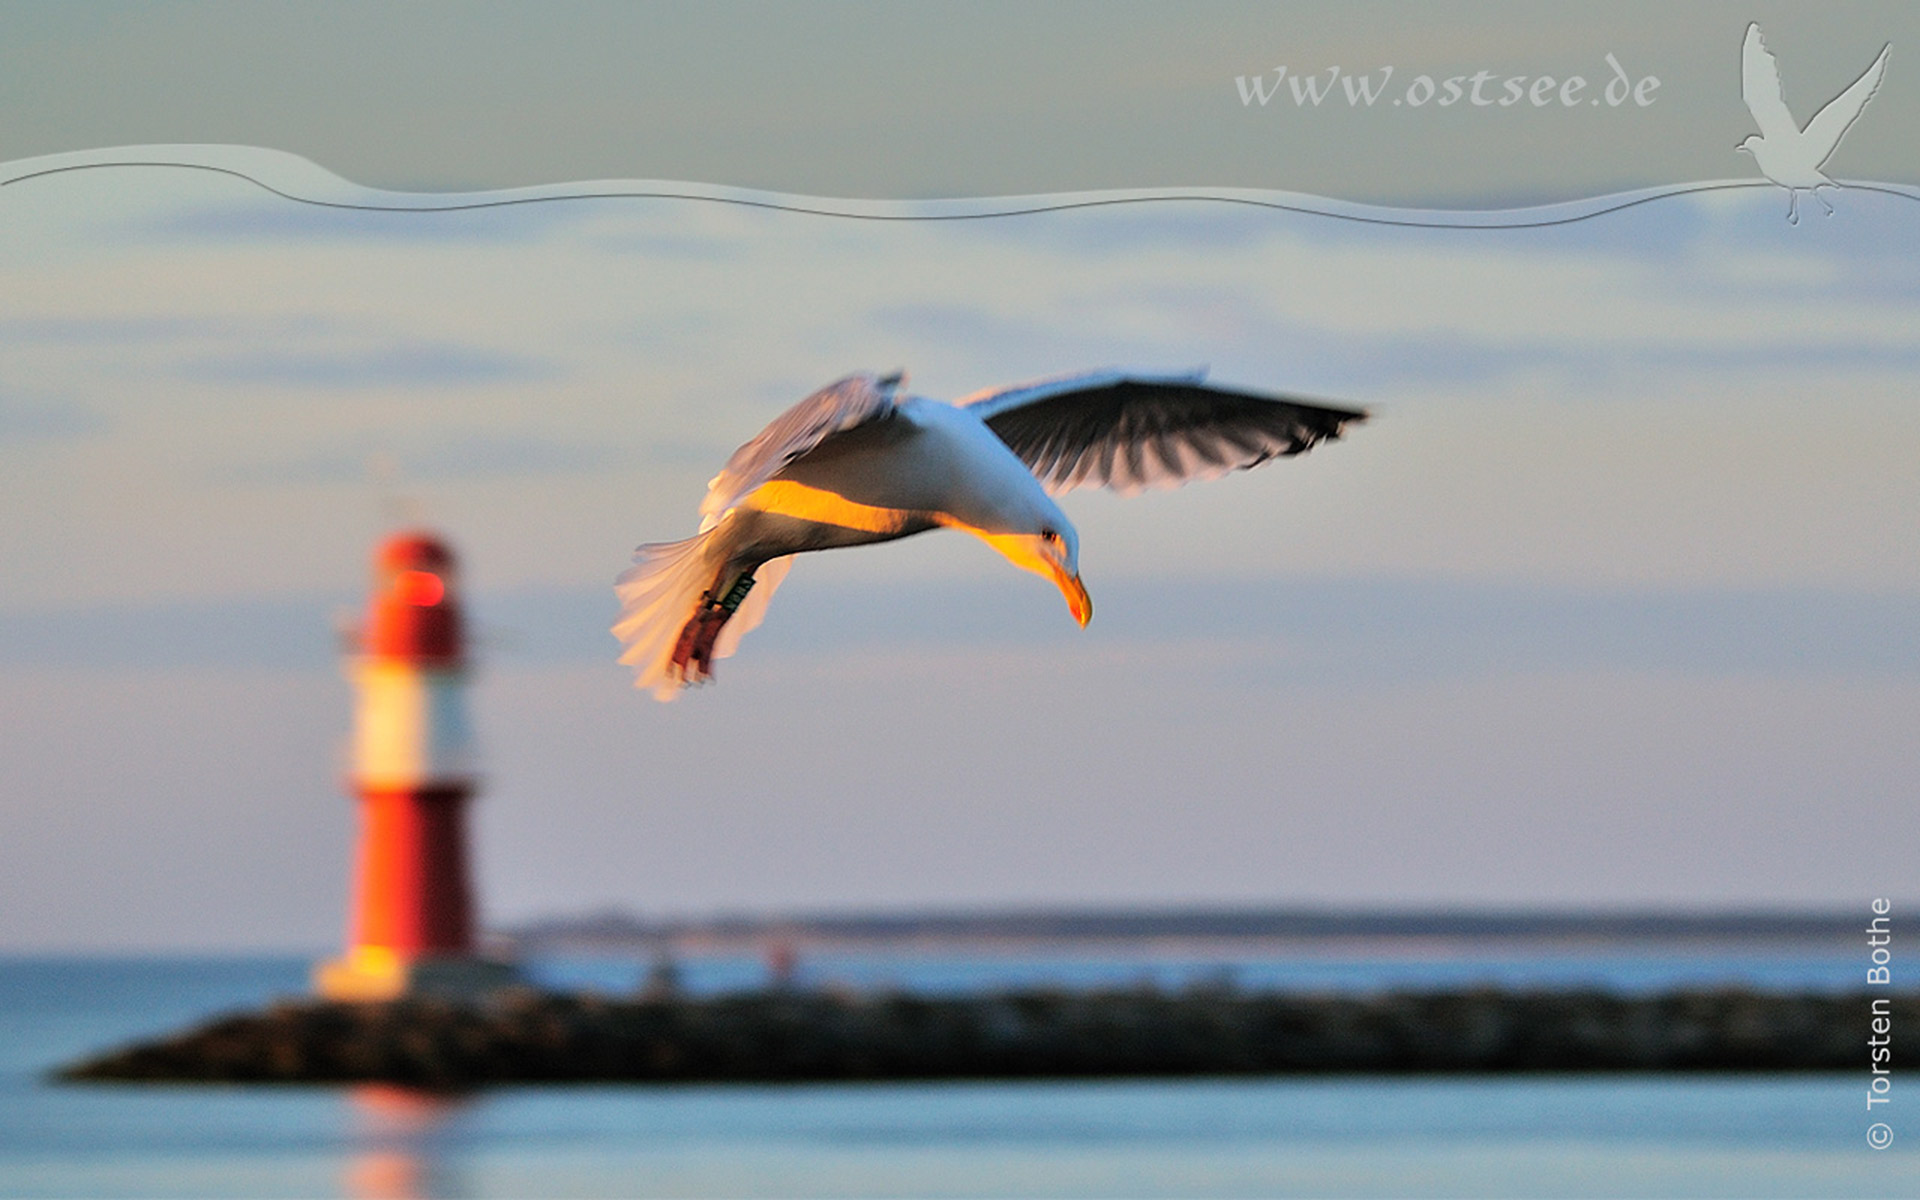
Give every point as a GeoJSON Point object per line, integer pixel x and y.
{"type": "Point", "coordinates": [1793, 206]}
{"type": "Point", "coordinates": [1822, 199]}
{"type": "Point", "coordinates": [693, 653]}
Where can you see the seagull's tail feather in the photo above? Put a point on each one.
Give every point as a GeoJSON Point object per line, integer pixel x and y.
{"type": "Point", "coordinates": [659, 595]}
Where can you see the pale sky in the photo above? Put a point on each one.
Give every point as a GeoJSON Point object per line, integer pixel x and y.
{"type": "Point", "coordinates": [986, 97]}
{"type": "Point", "coordinates": [1616, 601]}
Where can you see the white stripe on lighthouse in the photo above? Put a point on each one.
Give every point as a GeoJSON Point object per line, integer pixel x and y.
{"type": "Point", "coordinates": [410, 727]}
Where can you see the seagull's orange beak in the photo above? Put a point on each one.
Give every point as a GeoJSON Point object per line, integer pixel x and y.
{"type": "Point", "coordinates": [1032, 552]}
{"type": "Point", "coordinates": [1076, 594]}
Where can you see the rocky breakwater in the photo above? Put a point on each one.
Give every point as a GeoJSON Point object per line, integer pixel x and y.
{"type": "Point", "coordinates": [527, 1036]}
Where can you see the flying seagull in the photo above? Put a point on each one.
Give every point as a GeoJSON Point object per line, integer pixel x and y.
{"type": "Point", "coordinates": [1787, 154]}
{"type": "Point", "coordinates": [860, 462]}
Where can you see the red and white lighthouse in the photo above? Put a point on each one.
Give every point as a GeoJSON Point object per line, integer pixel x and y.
{"type": "Point", "coordinates": [412, 926]}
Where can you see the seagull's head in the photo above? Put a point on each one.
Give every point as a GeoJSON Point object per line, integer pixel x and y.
{"type": "Point", "coordinates": [1051, 551]}
{"type": "Point", "coordinates": [1752, 140]}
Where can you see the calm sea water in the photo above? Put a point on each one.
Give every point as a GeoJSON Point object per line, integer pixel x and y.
{"type": "Point", "coordinates": [1580, 1136]}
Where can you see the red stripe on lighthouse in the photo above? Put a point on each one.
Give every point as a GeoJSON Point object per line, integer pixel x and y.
{"type": "Point", "coordinates": [413, 895]}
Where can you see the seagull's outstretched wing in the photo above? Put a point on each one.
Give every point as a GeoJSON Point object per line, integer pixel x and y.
{"type": "Point", "coordinates": [1830, 124]}
{"type": "Point", "coordinates": [1760, 84]}
{"type": "Point", "coordinates": [1129, 432]}
{"type": "Point", "coordinates": [836, 408]}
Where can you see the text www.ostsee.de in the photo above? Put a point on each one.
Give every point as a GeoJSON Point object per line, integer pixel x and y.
{"type": "Point", "coordinates": [1482, 89]}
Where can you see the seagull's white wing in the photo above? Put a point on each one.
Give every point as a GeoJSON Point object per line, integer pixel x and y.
{"type": "Point", "coordinates": [1760, 84]}
{"type": "Point", "coordinates": [1129, 432]}
{"type": "Point", "coordinates": [1830, 124]}
{"type": "Point", "coordinates": [838, 407]}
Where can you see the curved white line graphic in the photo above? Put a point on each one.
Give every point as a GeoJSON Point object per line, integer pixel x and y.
{"type": "Point", "coordinates": [303, 181]}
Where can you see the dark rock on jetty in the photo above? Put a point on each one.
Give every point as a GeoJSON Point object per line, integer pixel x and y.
{"type": "Point", "coordinates": [537, 1037]}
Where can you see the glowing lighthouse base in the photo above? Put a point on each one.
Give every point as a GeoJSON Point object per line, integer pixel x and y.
{"type": "Point", "coordinates": [376, 973]}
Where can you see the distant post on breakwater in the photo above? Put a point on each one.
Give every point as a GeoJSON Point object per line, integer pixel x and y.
{"type": "Point", "coordinates": [412, 926]}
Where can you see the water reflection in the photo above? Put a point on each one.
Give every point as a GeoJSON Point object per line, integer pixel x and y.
{"type": "Point", "coordinates": [404, 1144]}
